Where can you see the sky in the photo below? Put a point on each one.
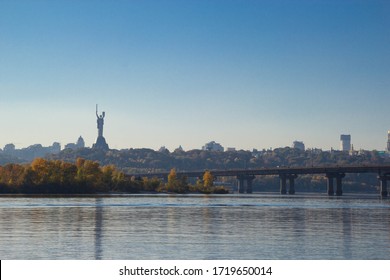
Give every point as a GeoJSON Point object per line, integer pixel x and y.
{"type": "Point", "coordinates": [246, 74]}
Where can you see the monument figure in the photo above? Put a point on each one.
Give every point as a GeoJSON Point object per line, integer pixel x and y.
{"type": "Point", "coordinates": [100, 141]}
{"type": "Point", "coordinates": [100, 122]}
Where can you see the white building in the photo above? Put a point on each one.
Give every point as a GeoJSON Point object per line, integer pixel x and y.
{"type": "Point", "coordinates": [78, 145]}
{"type": "Point", "coordinates": [213, 146]}
{"type": "Point", "coordinates": [299, 145]}
{"type": "Point", "coordinates": [345, 142]}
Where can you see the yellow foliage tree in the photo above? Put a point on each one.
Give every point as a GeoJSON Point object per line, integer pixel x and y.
{"type": "Point", "coordinates": [176, 184]}
{"type": "Point", "coordinates": [40, 168]}
{"type": "Point", "coordinates": [208, 180]}
{"type": "Point", "coordinates": [172, 180]}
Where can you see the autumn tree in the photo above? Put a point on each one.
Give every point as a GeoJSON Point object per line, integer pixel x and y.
{"type": "Point", "coordinates": [208, 179]}
{"type": "Point", "coordinates": [108, 172]}
{"type": "Point", "coordinates": [207, 182]}
{"type": "Point", "coordinates": [68, 174]}
{"type": "Point", "coordinates": [172, 181]}
{"type": "Point", "coordinates": [55, 176]}
{"type": "Point", "coordinates": [183, 185]}
{"type": "Point", "coordinates": [40, 171]}
{"type": "Point", "coordinates": [89, 174]}
{"type": "Point", "coordinates": [151, 184]}
{"type": "Point", "coordinates": [175, 184]}
{"type": "Point", "coordinates": [11, 177]}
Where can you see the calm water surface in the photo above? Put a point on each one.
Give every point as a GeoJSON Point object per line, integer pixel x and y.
{"type": "Point", "coordinates": [195, 227]}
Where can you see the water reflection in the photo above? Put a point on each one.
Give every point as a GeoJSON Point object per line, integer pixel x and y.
{"type": "Point", "coordinates": [98, 228]}
{"type": "Point", "coordinates": [198, 227]}
{"type": "Point", "coordinates": [346, 214]}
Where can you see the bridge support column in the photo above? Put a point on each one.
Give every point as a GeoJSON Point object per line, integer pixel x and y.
{"type": "Point", "coordinates": [291, 179]}
{"type": "Point", "coordinates": [241, 185]}
{"type": "Point", "coordinates": [383, 184]}
{"type": "Point", "coordinates": [330, 184]}
{"type": "Point", "coordinates": [249, 183]}
{"type": "Point", "coordinates": [339, 187]}
{"type": "Point", "coordinates": [283, 189]}
{"type": "Point", "coordinates": [283, 183]}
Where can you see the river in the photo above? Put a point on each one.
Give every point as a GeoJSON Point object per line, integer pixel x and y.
{"type": "Point", "coordinates": [235, 226]}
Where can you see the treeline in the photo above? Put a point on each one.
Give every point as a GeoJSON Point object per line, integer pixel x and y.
{"type": "Point", "coordinates": [134, 161]}
{"type": "Point", "coordinates": [44, 176]}
{"type": "Point", "coordinates": [92, 170]}
{"type": "Point", "coordinates": [179, 184]}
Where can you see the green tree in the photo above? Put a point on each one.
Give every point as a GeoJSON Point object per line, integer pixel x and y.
{"type": "Point", "coordinates": [68, 174]}
{"type": "Point", "coordinates": [89, 176]}
{"type": "Point", "coordinates": [151, 184]}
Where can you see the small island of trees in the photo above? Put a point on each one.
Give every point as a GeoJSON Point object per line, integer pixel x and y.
{"type": "Point", "coordinates": [44, 176]}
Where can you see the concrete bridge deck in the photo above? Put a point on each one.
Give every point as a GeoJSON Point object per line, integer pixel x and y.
{"type": "Point", "coordinates": [246, 176]}
{"type": "Point", "coordinates": [379, 169]}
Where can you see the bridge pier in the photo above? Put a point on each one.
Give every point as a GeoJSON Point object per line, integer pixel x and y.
{"type": "Point", "coordinates": [248, 187]}
{"type": "Point", "coordinates": [339, 186]}
{"type": "Point", "coordinates": [330, 189]}
{"type": "Point", "coordinates": [283, 183]}
{"type": "Point", "coordinates": [383, 184]}
{"type": "Point", "coordinates": [241, 186]}
{"type": "Point", "coordinates": [291, 179]}
{"type": "Point", "coordinates": [283, 189]}
{"type": "Point", "coordinates": [249, 183]}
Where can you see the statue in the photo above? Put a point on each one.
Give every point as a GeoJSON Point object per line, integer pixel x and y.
{"type": "Point", "coordinates": [100, 141]}
{"type": "Point", "coordinates": [100, 122]}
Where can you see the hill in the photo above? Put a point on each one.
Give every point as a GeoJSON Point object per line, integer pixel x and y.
{"type": "Point", "coordinates": [134, 161]}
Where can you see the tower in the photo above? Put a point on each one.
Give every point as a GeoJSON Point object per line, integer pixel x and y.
{"type": "Point", "coordinates": [388, 141]}
{"type": "Point", "coordinates": [345, 142]}
{"type": "Point", "coordinates": [100, 141]}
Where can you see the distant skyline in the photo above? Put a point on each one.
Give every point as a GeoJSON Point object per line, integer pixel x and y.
{"type": "Point", "coordinates": [246, 74]}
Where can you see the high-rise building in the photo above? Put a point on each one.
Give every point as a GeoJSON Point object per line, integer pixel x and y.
{"type": "Point", "coordinates": [345, 142]}
{"type": "Point", "coordinates": [299, 145]}
{"type": "Point", "coordinates": [388, 141]}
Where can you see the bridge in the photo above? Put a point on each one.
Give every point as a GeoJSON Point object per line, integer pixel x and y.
{"type": "Point", "coordinates": [334, 174]}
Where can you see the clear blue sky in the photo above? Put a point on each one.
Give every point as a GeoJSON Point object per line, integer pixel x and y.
{"type": "Point", "coordinates": [247, 74]}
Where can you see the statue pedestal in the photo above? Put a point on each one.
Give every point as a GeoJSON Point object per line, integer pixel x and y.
{"type": "Point", "coordinates": [100, 144]}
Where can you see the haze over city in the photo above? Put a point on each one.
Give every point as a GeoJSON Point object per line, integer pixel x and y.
{"type": "Point", "coordinates": [247, 74]}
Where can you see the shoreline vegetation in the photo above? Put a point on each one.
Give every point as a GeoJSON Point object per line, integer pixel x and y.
{"type": "Point", "coordinates": [92, 171]}
{"type": "Point", "coordinates": [44, 176]}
